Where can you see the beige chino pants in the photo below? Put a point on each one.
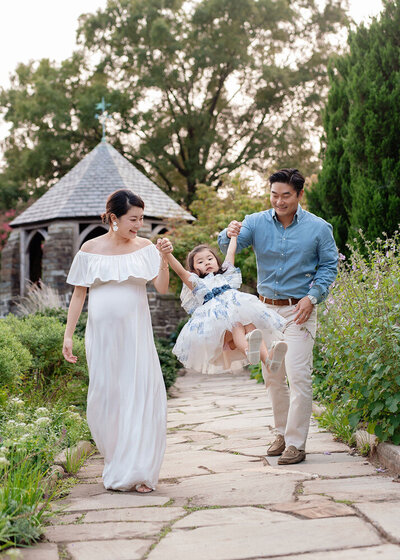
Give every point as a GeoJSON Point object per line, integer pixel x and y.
{"type": "Point", "coordinates": [292, 405]}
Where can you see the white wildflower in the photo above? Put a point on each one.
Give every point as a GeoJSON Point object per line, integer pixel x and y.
{"type": "Point", "coordinates": [11, 422]}
{"type": "Point", "coordinates": [21, 416]}
{"type": "Point", "coordinates": [42, 421]}
{"type": "Point", "coordinates": [42, 411]}
{"type": "Point", "coordinates": [4, 462]}
{"type": "Point", "coordinates": [21, 424]}
{"type": "Point", "coordinates": [17, 401]}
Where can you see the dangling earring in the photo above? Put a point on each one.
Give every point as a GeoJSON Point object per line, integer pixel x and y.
{"type": "Point", "coordinates": [115, 227]}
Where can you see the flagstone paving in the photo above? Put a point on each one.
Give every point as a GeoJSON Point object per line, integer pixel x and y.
{"type": "Point", "coordinates": [220, 498]}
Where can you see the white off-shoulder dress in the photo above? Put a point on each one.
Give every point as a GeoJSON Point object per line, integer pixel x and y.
{"type": "Point", "coordinates": [216, 306]}
{"type": "Point", "coordinates": [126, 405]}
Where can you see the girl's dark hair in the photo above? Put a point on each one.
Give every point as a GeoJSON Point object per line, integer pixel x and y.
{"type": "Point", "coordinates": [193, 252]}
{"type": "Point", "coordinates": [119, 202]}
{"type": "Point", "coordinates": [291, 177]}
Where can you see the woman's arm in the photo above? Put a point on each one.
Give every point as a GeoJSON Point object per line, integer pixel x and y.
{"type": "Point", "coordinates": [74, 312]}
{"type": "Point", "coordinates": [165, 247]}
{"type": "Point", "coordinates": [161, 281]}
{"type": "Point", "coordinates": [230, 254]}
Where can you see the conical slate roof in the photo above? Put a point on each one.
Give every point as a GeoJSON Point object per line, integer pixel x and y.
{"type": "Point", "coordinates": [83, 191]}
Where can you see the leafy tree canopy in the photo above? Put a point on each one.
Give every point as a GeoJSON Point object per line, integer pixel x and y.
{"type": "Point", "coordinates": [198, 90]}
{"type": "Point", "coordinates": [213, 213]}
{"type": "Point", "coordinates": [359, 185]}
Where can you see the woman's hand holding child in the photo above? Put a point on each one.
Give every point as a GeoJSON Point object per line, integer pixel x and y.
{"type": "Point", "coordinates": [164, 245]}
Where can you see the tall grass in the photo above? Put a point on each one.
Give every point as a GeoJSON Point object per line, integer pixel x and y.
{"type": "Point", "coordinates": [23, 501]}
{"type": "Point", "coordinates": [30, 438]}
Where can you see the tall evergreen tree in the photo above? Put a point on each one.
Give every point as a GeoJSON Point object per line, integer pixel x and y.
{"type": "Point", "coordinates": [359, 186]}
{"type": "Point", "coordinates": [330, 197]}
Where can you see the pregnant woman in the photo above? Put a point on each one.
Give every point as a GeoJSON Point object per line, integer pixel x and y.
{"type": "Point", "coordinates": [126, 406]}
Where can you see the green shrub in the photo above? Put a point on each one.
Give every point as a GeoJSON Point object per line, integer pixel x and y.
{"type": "Point", "coordinates": [256, 373]}
{"type": "Point", "coordinates": [357, 352]}
{"type": "Point", "coordinates": [15, 359]}
{"type": "Point", "coordinates": [43, 338]}
{"type": "Point", "coordinates": [169, 362]}
{"type": "Point", "coordinates": [336, 420]}
{"type": "Point", "coordinates": [61, 314]}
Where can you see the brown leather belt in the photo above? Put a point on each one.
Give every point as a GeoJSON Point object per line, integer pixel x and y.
{"type": "Point", "coordinates": [279, 302]}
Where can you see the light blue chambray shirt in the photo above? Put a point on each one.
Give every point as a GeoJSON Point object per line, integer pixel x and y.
{"type": "Point", "coordinates": [293, 262]}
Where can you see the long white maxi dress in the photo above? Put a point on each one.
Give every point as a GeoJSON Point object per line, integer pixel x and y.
{"type": "Point", "coordinates": [126, 405]}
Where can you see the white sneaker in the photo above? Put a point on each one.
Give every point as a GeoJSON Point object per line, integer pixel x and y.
{"type": "Point", "coordinates": [254, 339]}
{"type": "Point", "coordinates": [277, 353]}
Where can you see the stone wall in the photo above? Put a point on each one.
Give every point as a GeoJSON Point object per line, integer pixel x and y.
{"type": "Point", "coordinates": [166, 312]}
{"type": "Point", "coordinates": [58, 253]}
{"type": "Point", "coordinates": [10, 273]}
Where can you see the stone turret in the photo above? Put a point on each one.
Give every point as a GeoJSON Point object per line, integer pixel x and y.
{"type": "Point", "coordinates": [47, 235]}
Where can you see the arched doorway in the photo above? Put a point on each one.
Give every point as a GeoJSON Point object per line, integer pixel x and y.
{"type": "Point", "coordinates": [91, 232]}
{"type": "Point", "coordinates": [35, 255]}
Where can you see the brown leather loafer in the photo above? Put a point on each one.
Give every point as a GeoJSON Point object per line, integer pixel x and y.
{"type": "Point", "coordinates": [277, 447]}
{"type": "Point", "coordinates": [292, 455]}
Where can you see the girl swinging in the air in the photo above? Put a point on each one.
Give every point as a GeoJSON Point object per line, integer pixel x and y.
{"type": "Point", "coordinates": [226, 326]}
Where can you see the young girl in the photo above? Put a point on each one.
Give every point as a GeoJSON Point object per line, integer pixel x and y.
{"type": "Point", "coordinates": [227, 328]}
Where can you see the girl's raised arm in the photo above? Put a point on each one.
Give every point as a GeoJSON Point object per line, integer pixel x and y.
{"type": "Point", "coordinates": [181, 272]}
{"type": "Point", "coordinates": [174, 264]}
{"type": "Point", "coordinates": [230, 254]}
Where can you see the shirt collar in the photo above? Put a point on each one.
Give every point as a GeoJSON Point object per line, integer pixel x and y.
{"type": "Point", "coordinates": [297, 217]}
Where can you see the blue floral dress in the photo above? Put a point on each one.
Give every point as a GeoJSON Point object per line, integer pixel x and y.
{"type": "Point", "coordinates": [216, 306]}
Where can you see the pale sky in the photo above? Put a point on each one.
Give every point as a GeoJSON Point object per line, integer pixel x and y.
{"type": "Point", "coordinates": [34, 29]}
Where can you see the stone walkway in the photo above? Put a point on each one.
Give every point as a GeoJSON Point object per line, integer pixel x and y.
{"type": "Point", "coordinates": [220, 499]}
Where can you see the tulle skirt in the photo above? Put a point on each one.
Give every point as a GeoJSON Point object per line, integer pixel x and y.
{"type": "Point", "coordinates": [200, 344]}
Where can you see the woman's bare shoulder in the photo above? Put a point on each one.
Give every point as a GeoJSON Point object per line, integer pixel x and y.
{"type": "Point", "coordinates": [93, 245]}
{"type": "Point", "coordinates": [143, 241]}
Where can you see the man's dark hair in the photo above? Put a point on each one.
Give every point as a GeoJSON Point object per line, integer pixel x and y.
{"type": "Point", "coordinates": [291, 177]}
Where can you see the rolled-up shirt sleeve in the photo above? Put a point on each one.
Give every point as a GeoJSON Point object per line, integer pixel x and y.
{"type": "Point", "coordinates": [327, 264]}
{"type": "Point", "coordinates": [245, 237]}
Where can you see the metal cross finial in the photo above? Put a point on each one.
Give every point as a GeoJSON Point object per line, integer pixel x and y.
{"type": "Point", "coordinates": [103, 116]}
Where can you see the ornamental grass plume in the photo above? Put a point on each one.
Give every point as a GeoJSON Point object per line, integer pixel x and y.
{"type": "Point", "coordinates": [39, 298]}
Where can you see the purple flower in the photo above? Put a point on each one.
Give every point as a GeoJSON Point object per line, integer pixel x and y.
{"type": "Point", "coordinates": [376, 286]}
{"type": "Point", "coordinates": [325, 312]}
{"type": "Point", "coordinates": [342, 257]}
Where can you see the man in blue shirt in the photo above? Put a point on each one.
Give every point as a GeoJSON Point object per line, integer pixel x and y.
{"type": "Point", "coordinates": [296, 263]}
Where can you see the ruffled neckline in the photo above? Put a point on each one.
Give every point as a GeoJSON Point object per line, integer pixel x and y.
{"type": "Point", "coordinates": [90, 268]}
{"type": "Point", "coordinates": [120, 255]}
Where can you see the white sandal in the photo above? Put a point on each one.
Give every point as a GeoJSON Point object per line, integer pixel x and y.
{"type": "Point", "coordinates": [254, 338]}
{"type": "Point", "coordinates": [278, 350]}
{"type": "Point", "coordinates": [143, 485]}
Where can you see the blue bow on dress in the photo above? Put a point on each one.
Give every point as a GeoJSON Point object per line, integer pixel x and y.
{"type": "Point", "coordinates": [216, 292]}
